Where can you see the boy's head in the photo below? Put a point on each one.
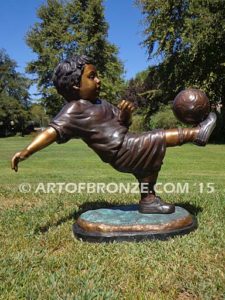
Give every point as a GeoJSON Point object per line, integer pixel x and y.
{"type": "Point", "coordinates": [67, 75]}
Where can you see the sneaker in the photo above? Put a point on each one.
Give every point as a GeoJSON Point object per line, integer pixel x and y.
{"type": "Point", "coordinates": [157, 206]}
{"type": "Point", "coordinates": [206, 128]}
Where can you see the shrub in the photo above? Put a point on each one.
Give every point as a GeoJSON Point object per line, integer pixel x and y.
{"type": "Point", "coordinates": [164, 118]}
{"type": "Point", "coordinates": [137, 123]}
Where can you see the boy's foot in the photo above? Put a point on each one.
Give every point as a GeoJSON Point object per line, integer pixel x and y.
{"type": "Point", "coordinates": [157, 206]}
{"type": "Point", "coordinates": [205, 130]}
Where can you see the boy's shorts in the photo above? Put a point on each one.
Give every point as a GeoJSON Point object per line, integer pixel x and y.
{"type": "Point", "coordinates": [141, 154]}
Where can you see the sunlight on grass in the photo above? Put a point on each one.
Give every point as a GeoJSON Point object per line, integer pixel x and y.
{"type": "Point", "coordinates": [40, 258]}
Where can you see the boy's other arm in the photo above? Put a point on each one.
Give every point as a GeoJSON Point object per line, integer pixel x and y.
{"type": "Point", "coordinates": [45, 138]}
{"type": "Point", "coordinates": [126, 109]}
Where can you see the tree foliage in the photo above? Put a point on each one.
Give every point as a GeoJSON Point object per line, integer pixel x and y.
{"type": "Point", "coordinates": [189, 35]}
{"type": "Point", "coordinates": [144, 90]}
{"type": "Point", "coordinates": [164, 118]}
{"type": "Point", "coordinates": [13, 117]}
{"type": "Point", "coordinates": [66, 28]}
{"type": "Point", "coordinates": [13, 83]}
{"type": "Point", "coordinates": [189, 38]}
{"type": "Point", "coordinates": [135, 89]}
{"type": "Point", "coordinates": [14, 96]}
{"type": "Point", "coordinates": [38, 115]}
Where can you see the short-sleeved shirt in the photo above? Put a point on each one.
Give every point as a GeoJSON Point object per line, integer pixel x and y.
{"type": "Point", "coordinates": [99, 126]}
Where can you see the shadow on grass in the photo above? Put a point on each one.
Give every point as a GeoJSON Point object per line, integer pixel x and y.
{"type": "Point", "coordinates": [74, 215]}
{"type": "Point", "coordinates": [194, 210]}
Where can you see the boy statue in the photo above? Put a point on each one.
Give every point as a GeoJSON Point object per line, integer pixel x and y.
{"type": "Point", "coordinates": [105, 129]}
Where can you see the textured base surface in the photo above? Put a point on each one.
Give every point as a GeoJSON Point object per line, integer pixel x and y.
{"type": "Point", "coordinates": [124, 223]}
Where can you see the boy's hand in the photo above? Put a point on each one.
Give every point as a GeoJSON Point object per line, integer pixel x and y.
{"type": "Point", "coordinates": [126, 105]}
{"type": "Point", "coordinates": [126, 108]}
{"type": "Point", "coordinates": [19, 156]}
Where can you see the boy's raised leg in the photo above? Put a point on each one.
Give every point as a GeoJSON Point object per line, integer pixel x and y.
{"type": "Point", "coordinates": [180, 136]}
{"type": "Point", "coordinates": [198, 135]}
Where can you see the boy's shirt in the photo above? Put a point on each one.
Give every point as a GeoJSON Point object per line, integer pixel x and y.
{"type": "Point", "coordinates": [97, 124]}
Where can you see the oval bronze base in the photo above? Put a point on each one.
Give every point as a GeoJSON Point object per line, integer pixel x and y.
{"type": "Point", "coordinates": [126, 223]}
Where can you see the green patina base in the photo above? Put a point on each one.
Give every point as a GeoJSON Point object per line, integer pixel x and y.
{"type": "Point", "coordinates": [124, 223]}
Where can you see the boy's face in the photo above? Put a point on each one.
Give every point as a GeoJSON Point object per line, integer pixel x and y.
{"type": "Point", "coordinates": [90, 83]}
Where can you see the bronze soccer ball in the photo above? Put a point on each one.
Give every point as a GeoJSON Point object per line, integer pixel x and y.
{"type": "Point", "coordinates": [191, 106]}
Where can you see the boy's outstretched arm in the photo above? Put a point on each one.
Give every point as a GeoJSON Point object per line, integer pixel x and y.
{"type": "Point", "coordinates": [126, 109]}
{"type": "Point", "coordinates": [45, 138]}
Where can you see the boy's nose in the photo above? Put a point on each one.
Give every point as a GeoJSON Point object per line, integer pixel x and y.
{"type": "Point", "coordinates": [97, 80]}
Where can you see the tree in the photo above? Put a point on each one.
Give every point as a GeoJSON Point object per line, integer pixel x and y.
{"type": "Point", "coordinates": [38, 115]}
{"type": "Point", "coordinates": [144, 90]}
{"type": "Point", "coordinates": [164, 118]}
{"type": "Point", "coordinates": [65, 28]}
{"type": "Point", "coordinates": [14, 96]}
{"type": "Point", "coordinates": [13, 117]}
{"type": "Point", "coordinates": [189, 36]}
{"type": "Point", "coordinates": [135, 89]}
{"type": "Point", "coordinates": [13, 83]}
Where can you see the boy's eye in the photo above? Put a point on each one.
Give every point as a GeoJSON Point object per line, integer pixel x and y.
{"type": "Point", "coordinates": [92, 76]}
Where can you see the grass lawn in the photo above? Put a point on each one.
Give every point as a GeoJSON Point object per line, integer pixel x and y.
{"type": "Point", "coordinates": [40, 258]}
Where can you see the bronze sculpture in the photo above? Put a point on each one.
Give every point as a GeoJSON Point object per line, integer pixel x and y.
{"type": "Point", "coordinates": [104, 128]}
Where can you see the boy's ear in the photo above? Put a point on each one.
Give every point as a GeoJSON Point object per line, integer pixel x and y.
{"type": "Point", "coordinates": [75, 87]}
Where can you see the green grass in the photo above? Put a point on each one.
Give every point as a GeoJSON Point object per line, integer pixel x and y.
{"type": "Point", "coordinates": [40, 258]}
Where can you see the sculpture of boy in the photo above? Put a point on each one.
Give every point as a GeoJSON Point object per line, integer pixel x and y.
{"type": "Point", "coordinates": [104, 128]}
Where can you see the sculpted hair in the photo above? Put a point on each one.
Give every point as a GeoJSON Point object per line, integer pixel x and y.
{"type": "Point", "coordinates": [68, 73]}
